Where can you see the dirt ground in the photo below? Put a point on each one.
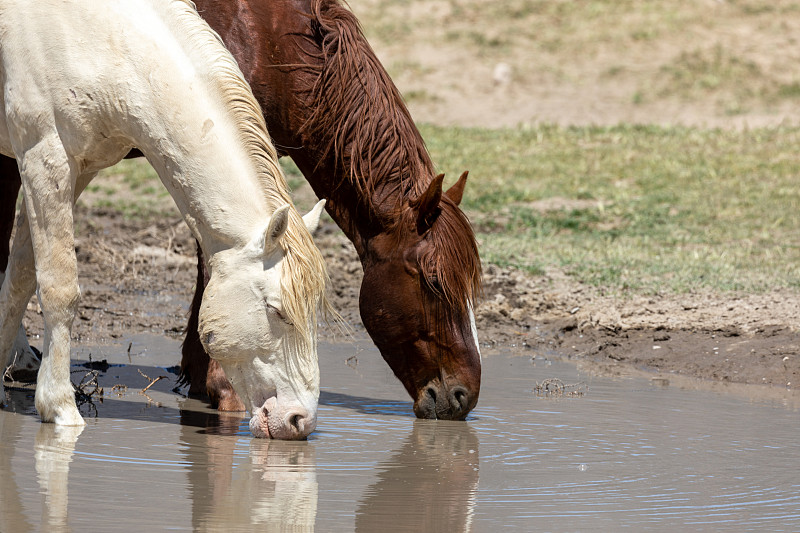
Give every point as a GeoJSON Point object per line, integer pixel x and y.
{"type": "Point", "coordinates": [139, 276]}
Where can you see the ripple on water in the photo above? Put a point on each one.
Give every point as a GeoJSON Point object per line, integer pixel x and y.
{"type": "Point", "coordinates": [624, 455]}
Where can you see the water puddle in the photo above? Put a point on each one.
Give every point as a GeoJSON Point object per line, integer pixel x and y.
{"type": "Point", "coordinates": [623, 453]}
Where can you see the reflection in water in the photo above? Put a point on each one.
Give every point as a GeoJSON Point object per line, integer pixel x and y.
{"type": "Point", "coordinates": [54, 447]}
{"type": "Point", "coordinates": [271, 484]}
{"type": "Point", "coordinates": [12, 514]}
{"type": "Point", "coordinates": [429, 484]}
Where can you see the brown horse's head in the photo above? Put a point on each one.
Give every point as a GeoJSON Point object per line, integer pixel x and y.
{"type": "Point", "coordinates": [345, 124]}
{"type": "Point", "coordinates": [421, 277]}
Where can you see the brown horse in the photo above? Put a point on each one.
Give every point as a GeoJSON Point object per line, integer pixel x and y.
{"type": "Point", "coordinates": [331, 106]}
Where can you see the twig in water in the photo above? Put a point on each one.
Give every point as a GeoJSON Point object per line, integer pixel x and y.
{"type": "Point", "coordinates": [87, 389]}
{"type": "Point", "coordinates": [7, 373]}
{"type": "Point", "coordinates": [149, 399]}
{"type": "Point", "coordinates": [153, 381]}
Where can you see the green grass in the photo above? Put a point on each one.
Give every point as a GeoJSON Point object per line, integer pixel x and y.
{"type": "Point", "coordinates": [630, 209]}
{"type": "Point", "coordinates": [131, 187]}
{"type": "Point", "coordinates": [637, 209]}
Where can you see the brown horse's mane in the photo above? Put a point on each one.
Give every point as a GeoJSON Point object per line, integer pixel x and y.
{"type": "Point", "coordinates": [373, 135]}
{"type": "Point", "coordinates": [360, 114]}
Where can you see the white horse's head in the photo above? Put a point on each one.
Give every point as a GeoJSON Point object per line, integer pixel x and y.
{"type": "Point", "coordinates": [258, 320]}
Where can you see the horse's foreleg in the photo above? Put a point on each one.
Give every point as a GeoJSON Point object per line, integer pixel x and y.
{"type": "Point", "coordinates": [49, 195]}
{"type": "Point", "coordinates": [18, 287]}
{"type": "Point", "coordinates": [22, 358]}
{"type": "Point", "coordinates": [204, 375]}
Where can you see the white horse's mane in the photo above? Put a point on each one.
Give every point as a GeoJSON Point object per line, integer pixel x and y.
{"type": "Point", "coordinates": [304, 276]}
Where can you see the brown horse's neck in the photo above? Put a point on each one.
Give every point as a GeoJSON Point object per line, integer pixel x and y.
{"type": "Point", "coordinates": [331, 106]}
{"type": "Point", "coordinates": [360, 216]}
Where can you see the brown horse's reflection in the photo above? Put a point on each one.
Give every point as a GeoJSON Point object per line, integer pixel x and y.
{"type": "Point", "coordinates": [273, 486]}
{"type": "Point", "coordinates": [429, 484]}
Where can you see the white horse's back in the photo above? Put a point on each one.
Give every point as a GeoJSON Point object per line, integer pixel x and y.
{"type": "Point", "coordinates": [88, 60]}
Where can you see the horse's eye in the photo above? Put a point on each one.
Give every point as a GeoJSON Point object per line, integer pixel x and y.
{"type": "Point", "coordinates": [277, 312]}
{"type": "Point", "coordinates": [433, 283]}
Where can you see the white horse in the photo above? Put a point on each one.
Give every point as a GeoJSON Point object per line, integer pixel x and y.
{"type": "Point", "coordinates": [83, 82]}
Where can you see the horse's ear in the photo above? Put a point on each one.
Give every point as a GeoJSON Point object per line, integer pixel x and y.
{"type": "Point", "coordinates": [428, 204]}
{"type": "Point", "coordinates": [311, 219]}
{"type": "Point", "coordinates": [457, 190]}
{"type": "Point", "coordinates": [278, 223]}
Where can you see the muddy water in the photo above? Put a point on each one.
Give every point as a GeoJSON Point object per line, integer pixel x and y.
{"type": "Point", "coordinates": [629, 452]}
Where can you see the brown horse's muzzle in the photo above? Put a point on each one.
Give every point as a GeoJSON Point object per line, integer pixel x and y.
{"type": "Point", "coordinates": [444, 402]}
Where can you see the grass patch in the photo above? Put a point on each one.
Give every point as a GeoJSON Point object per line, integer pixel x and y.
{"type": "Point", "coordinates": [718, 72]}
{"type": "Point", "coordinates": [634, 208]}
{"type": "Point", "coordinates": [131, 187]}
{"type": "Point", "coordinates": [294, 178]}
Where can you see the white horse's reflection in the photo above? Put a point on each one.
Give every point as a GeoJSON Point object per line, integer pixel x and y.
{"type": "Point", "coordinates": [12, 512]}
{"type": "Point", "coordinates": [271, 484]}
{"type": "Point", "coordinates": [53, 450]}
{"type": "Point", "coordinates": [429, 484]}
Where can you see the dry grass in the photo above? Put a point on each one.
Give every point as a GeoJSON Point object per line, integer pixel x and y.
{"type": "Point", "coordinates": [591, 62]}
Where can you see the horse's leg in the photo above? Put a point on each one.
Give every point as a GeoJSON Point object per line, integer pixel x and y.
{"type": "Point", "coordinates": [23, 359]}
{"type": "Point", "coordinates": [18, 287]}
{"type": "Point", "coordinates": [49, 197]}
{"type": "Point", "coordinates": [197, 368]}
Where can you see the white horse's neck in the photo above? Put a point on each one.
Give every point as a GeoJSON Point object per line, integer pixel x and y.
{"type": "Point", "coordinates": [213, 183]}
{"type": "Point", "coordinates": [193, 140]}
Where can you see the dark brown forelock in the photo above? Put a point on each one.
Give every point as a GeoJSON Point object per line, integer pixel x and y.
{"type": "Point", "coordinates": [453, 258]}
{"type": "Point", "coordinates": [361, 115]}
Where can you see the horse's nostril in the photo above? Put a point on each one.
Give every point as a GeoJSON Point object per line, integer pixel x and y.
{"type": "Point", "coordinates": [299, 424]}
{"type": "Point", "coordinates": [432, 393]}
{"type": "Point", "coordinates": [461, 398]}
{"type": "Point", "coordinates": [295, 421]}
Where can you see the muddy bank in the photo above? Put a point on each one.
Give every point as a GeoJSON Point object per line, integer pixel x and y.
{"type": "Point", "coordinates": [749, 339]}
{"type": "Point", "coordinates": [138, 277]}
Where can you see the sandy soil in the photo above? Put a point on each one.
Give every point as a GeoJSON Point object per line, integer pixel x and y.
{"type": "Point", "coordinates": [705, 63]}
